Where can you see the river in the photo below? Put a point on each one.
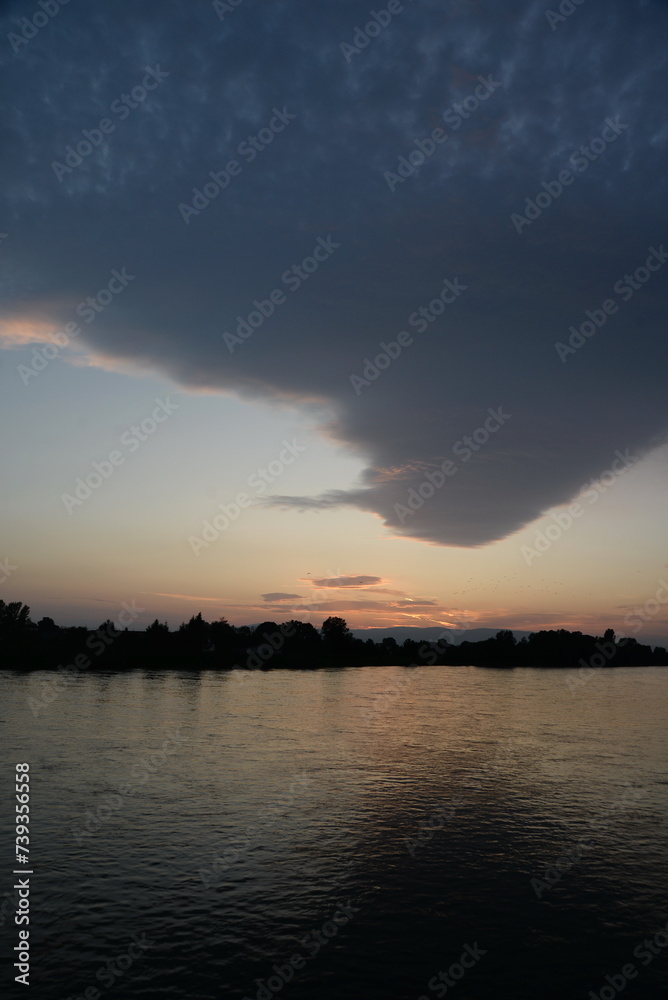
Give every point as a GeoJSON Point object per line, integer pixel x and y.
{"type": "Point", "coordinates": [343, 833]}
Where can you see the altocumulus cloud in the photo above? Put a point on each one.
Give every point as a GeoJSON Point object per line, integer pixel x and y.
{"type": "Point", "coordinates": [279, 596]}
{"type": "Point", "coordinates": [323, 179]}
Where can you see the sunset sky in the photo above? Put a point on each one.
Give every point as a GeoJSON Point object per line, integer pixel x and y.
{"type": "Point", "coordinates": [218, 216]}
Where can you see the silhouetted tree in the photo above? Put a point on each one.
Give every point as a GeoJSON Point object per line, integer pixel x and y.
{"type": "Point", "coordinates": [24, 645]}
{"type": "Point", "coordinates": [503, 648]}
{"type": "Point", "coordinates": [16, 629]}
{"type": "Point", "coordinates": [109, 627]}
{"type": "Point", "coordinates": [303, 644]}
{"type": "Point", "coordinates": [157, 637]}
{"type": "Point", "coordinates": [223, 636]}
{"type": "Point", "coordinates": [46, 625]}
{"type": "Point", "coordinates": [14, 619]}
{"type": "Point", "coordinates": [261, 631]}
{"type": "Point", "coordinates": [335, 630]}
{"type": "Point", "coordinates": [193, 635]}
{"type": "Point", "coordinates": [157, 628]}
{"type": "Point", "coordinates": [390, 649]}
{"type": "Point", "coordinates": [338, 641]}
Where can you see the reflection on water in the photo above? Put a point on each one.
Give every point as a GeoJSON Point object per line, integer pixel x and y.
{"type": "Point", "coordinates": [378, 832]}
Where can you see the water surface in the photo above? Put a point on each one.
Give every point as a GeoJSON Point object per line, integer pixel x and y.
{"type": "Point", "coordinates": [374, 821]}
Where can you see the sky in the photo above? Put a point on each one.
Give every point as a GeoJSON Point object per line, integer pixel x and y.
{"type": "Point", "coordinates": [314, 309]}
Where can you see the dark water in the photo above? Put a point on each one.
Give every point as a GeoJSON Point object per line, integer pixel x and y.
{"type": "Point", "coordinates": [393, 821]}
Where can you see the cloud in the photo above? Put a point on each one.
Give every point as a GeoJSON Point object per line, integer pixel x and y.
{"type": "Point", "coordinates": [347, 581]}
{"type": "Point", "coordinates": [330, 606]}
{"type": "Point", "coordinates": [16, 332]}
{"type": "Point", "coordinates": [280, 597]}
{"type": "Point", "coordinates": [424, 399]}
{"type": "Point", "coordinates": [192, 597]}
{"type": "Point", "coordinates": [418, 602]}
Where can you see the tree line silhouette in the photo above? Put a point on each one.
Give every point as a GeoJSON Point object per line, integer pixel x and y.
{"type": "Point", "coordinates": [198, 644]}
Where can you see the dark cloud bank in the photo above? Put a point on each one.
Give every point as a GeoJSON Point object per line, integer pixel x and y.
{"type": "Point", "coordinates": [471, 398]}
